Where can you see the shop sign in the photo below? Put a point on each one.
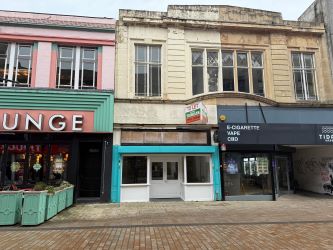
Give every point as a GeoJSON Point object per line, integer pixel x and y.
{"type": "Point", "coordinates": [196, 114]}
{"type": "Point", "coordinates": [53, 121]}
{"type": "Point", "coordinates": [268, 134]}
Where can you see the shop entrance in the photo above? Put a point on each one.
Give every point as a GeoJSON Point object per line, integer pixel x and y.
{"type": "Point", "coordinates": [165, 177]}
{"type": "Point", "coordinates": [283, 175]}
{"type": "Point", "coordinates": [90, 170]}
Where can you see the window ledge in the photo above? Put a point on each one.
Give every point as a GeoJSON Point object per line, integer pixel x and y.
{"type": "Point", "coordinates": [148, 97]}
{"type": "Point", "coordinates": [135, 185]}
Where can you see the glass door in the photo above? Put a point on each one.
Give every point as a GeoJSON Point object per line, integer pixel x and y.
{"type": "Point", "coordinates": [165, 177]}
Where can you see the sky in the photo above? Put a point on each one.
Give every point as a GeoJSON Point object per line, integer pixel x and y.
{"type": "Point", "coordinates": [290, 9]}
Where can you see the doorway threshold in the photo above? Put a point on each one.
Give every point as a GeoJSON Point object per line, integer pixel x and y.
{"type": "Point", "coordinates": [88, 200]}
{"type": "Point", "coordinates": [165, 199]}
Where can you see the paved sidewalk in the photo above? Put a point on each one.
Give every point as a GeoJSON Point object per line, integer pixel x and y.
{"type": "Point", "coordinates": [292, 222]}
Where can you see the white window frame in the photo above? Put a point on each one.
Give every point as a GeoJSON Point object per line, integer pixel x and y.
{"type": "Point", "coordinates": [12, 60]}
{"type": "Point", "coordinates": [210, 170]}
{"type": "Point", "coordinates": [234, 67]}
{"type": "Point", "coordinates": [147, 63]}
{"type": "Point", "coordinates": [302, 68]}
{"type": "Point", "coordinates": [94, 61]}
{"type": "Point", "coordinates": [77, 62]}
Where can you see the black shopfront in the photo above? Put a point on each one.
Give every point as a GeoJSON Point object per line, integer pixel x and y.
{"type": "Point", "coordinates": [256, 151]}
{"type": "Point", "coordinates": [83, 159]}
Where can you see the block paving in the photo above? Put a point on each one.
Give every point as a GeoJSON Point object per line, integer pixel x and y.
{"type": "Point", "coordinates": [292, 222]}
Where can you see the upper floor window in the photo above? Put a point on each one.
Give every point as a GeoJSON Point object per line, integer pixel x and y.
{"type": "Point", "coordinates": [226, 70]}
{"type": "Point", "coordinates": [304, 76]}
{"type": "Point", "coordinates": [15, 64]}
{"type": "Point", "coordinates": [77, 68]}
{"type": "Point", "coordinates": [147, 70]}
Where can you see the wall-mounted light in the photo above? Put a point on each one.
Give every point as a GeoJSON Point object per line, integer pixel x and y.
{"type": "Point", "coordinates": [223, 118]}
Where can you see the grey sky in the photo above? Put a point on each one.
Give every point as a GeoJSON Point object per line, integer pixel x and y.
{"type": "Point", "coordinates": [290, 9]}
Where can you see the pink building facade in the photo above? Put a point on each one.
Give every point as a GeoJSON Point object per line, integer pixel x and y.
{"type": "Point", "coordinates": [56, 101]}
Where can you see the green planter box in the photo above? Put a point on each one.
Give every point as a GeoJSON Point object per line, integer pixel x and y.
{"type": "Point", "coordinates": [34, 204]}
{"type": "Point", "coordinates": [62, 200]}
{"type": "Point", "coordinates": [69, 196]}
{"type": "Point", "coordinates": [51, 205]}
{"type": "Point", "coordinates": [10, 207]}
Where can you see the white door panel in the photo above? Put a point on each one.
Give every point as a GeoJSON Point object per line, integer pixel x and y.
{"type": "Point", "coordinates": [165, 177]}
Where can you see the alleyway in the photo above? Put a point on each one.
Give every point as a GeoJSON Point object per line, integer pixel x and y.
{"type": "Point", "coordinates": [292, 222]}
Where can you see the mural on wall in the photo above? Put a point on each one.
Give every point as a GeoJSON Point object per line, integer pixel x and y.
{"type": "Point", "coordinates": [314, 167]}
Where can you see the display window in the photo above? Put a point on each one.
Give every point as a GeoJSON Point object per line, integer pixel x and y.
{"type": "Point", "coordinates": [198, 169]}
{"type": "Point", "coordinates": [15, 163]}
{"type": "Point", "coordinates": [59, 159]}
{"type": "Point", "coordinates": [25, 165]}
{"type": "Point", "coordinates": [247, 174]}
{"type": "Point", "coordinates": [135, 170]}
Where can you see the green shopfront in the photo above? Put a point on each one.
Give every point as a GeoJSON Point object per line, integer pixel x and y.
{"type": "Point", "coordinates": [52, 135]}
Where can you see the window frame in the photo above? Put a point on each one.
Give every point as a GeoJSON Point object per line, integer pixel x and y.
{"type": "Point", "coordinates": [211, 177]}
{"type": "Point", "coordinates": [147, 63]}
{"type": "Point", "coordinates": [77, 62]}
{"type": "Point", "coordinates": [234, 69]}
{"type": "Point", "coordinates": [11, 67]}
{"type": "Point", "coordinates": [303, 70]}
{"type": "Point", "coordinates": [148, 174]}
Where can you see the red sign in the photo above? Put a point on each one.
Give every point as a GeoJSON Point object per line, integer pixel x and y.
{"type": "Point", "coordinates": [46, 121]}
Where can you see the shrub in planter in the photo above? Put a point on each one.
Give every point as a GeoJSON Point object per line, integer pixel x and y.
{"type": "Point", "coordinates": [69, 195]}
{"type": "Point", "coordinates": [10, 207]}
{"type": "Point", "coordinates": [51, 202]}
{"type": "Point", "coordinates": [61, 198]}
{"type": "Point", "coordinates": [34, 205]}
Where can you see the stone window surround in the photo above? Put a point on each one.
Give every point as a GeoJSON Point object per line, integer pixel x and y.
{"type": "Point", "coordinates": [131, 87]}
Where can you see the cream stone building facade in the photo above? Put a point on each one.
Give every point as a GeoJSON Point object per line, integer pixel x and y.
{"type": "Point", "coordinates": [244, 66]}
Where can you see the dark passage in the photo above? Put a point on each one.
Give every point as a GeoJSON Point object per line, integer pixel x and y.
{"type": "Point", "coordinates": [90, 169]}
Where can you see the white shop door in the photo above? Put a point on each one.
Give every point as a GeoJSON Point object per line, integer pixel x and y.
{"type": "Point", "coordinates": [165, 177]}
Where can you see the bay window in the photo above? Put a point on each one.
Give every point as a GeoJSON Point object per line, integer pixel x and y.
{"type": "Point", "coordinates": [243, 72]}
{"type": "Point", "coordinates": [15, 64]}
{"type": "Point", "coordinates": [197, 72]}
{"type": "Point", "coordinates": [227, 70]}
{"type": "Point", "coordinates": [77, 68]}
{"type": "Point", "coordinates": [304, 76]}
{"type": "Point", "coordinates": [147, 70]}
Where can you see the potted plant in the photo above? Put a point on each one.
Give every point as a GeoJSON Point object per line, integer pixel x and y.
{"type": "Point", "coordinates": [69, 193]}
{"type": "Point", "coordinates": [10, 205]}
{"type": "Point", "coordinates": [34, 205]}
{"type": "Point", "coordinates": [61, 198]}
{"type": "Point", "coordinates": [51, 202]}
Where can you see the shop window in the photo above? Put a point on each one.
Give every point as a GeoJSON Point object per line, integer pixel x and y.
{"type": "Point", "coordinates": [246, 174]}
{"type": "Point", "coordinates": [244, 69]}
{"type": "Point", "coordinates": [59, 159]}
{"type": "Point", "coordinates": [198, 169]}
{"type": "Point", "coordinates": [37, 163]}
{"type": "Point", "coordinates": [147, 70]}
{"type": "Point", "coordinates": [15, 163]}
{"type": "Point", "coordinates": [24, 165]}
{"type": "Point", "coordinates": [77, 68]}
{"type": "Point", "coordinates": [15, 64]}
{"type": "Point", "coordinates": [134, 170]}
{"type": "Point", "coordinates": [304, 76]}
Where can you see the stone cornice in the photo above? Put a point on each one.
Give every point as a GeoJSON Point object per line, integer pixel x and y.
{"type": "Point", "coordinates": [241, 96]}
